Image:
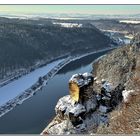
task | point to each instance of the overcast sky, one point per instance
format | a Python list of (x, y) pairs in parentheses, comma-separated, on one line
[(80, 9)]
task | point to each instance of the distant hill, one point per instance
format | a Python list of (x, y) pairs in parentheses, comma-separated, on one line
[(24, 42), (114, 24)]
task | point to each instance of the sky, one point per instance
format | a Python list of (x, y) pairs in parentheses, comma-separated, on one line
[(80, 9)]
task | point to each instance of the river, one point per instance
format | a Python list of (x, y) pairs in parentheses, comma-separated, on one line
[(34, 114)]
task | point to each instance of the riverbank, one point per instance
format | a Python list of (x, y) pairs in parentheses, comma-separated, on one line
[(30, 91), (23, 72)]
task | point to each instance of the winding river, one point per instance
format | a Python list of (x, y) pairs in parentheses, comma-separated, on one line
[(34, 114)]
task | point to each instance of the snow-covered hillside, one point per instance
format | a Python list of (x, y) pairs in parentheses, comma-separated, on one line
[(16, 87), (130, 21)]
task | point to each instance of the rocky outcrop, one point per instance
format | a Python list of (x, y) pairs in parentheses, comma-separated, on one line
[(76, 118), (112, 85), (125, 119), (136, 40), (117, 67), (82, 116), (73, 116)]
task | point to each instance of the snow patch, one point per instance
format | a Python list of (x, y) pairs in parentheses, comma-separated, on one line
[(126, 94), (67, 105), (68, 25), (108, 86), (130, 21), (102, 109), (81, 79), (77, 109)]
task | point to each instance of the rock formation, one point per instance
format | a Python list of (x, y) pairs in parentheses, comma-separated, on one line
[(88, 112), (91, 99), (79, 84)]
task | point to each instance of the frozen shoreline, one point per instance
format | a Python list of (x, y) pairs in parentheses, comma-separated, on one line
[(16, 92), (22, 72)]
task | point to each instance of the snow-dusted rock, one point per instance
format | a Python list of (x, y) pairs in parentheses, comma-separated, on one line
[(103, 119), (126, 94), (77, 110), (60, 128), (91, 104), (67, 109), (82, 79), (66, 106), (102, 109), (108, 86)]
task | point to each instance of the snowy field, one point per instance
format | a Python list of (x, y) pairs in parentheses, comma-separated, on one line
[(130, 21), (16, 87), (68, 25)]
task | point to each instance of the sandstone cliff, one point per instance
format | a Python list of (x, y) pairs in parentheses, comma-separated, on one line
[(125, 118), (117, 80)]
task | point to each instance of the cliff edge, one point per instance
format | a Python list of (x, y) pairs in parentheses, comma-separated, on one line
[(100, 107)]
